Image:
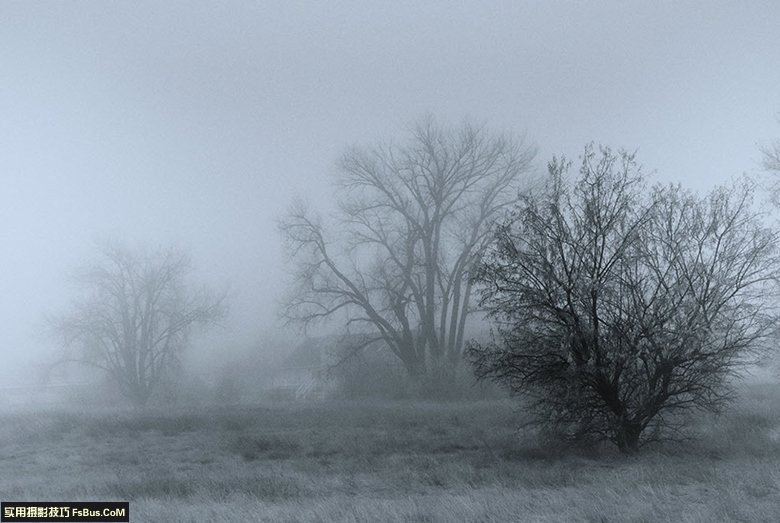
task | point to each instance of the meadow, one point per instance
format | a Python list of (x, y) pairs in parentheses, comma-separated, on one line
[(387, 461)]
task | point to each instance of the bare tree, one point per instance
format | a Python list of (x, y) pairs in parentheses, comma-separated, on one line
[(771, 163), (620, 307), (412, 221), (135, 316)]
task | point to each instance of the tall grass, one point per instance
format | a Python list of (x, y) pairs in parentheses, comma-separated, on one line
[(388, 461)]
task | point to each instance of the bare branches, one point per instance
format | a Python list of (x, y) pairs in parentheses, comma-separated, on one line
[(136, 316), (617, 304), (771, 164), (412, 220)]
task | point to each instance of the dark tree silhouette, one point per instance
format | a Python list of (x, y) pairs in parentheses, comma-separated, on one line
[(620, 307)]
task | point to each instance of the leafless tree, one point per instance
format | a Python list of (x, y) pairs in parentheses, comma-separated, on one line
[(135, 316), (412, 220), (771, 163), (620, 307)]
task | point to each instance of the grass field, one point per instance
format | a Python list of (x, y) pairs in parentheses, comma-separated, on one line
[(337, 461)]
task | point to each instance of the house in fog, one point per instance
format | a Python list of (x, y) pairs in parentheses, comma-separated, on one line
[(303, 375), (307, 373)]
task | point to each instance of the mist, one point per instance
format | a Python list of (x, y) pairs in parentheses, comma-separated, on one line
[(197, 125)]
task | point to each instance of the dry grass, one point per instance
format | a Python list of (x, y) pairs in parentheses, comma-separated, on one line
[(387, 462)]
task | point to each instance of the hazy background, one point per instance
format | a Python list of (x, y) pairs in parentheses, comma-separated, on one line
[(197, 123)]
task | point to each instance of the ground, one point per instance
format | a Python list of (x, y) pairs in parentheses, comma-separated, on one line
[(392, 461)]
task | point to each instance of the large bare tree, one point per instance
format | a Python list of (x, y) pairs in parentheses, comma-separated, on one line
[(412, 220), (619, 306), (135, 316)]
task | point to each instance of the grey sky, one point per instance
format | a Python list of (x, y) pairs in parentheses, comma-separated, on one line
[(197, 123)]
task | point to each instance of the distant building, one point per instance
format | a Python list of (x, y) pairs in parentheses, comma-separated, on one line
[(306, 372)]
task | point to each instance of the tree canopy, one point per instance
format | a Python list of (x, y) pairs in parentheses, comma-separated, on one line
[(412, 222), (620, 306), (135, 316)]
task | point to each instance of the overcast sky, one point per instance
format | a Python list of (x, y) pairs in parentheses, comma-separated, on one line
[(198, 122)]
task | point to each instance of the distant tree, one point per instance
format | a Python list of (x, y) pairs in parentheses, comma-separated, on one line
[(135, 316), (412, 222), (618, 306), (228, 388), (771, 163)]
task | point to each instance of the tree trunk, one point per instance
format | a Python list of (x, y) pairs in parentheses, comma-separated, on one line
[(627, 437), (415, 365)]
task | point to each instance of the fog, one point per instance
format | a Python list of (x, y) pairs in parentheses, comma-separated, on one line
[(152, 132), (198, 123)]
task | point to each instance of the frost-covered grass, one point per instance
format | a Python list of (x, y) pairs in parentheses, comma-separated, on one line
[(393, 461)]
